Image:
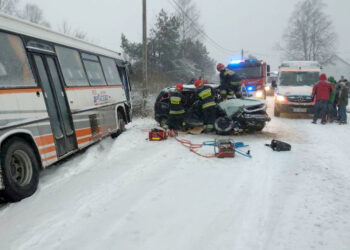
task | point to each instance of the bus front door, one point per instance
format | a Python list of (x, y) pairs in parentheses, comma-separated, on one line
[(56, 102), (125, 82)]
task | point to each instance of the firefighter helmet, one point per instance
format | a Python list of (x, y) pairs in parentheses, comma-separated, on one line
[(179, 86), (220, 67), (198, 83)]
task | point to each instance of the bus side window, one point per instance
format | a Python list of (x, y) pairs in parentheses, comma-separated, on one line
[(14, 66), (93, 69), (111, 72), (2, 70), (72, 67)]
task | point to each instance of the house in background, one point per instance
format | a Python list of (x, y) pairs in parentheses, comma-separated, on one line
[(338, 68)]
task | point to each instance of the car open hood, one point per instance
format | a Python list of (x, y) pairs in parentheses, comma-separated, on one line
[(295, 90), (233, 105)]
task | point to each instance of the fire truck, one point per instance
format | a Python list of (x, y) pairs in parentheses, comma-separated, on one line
[(253, 73)]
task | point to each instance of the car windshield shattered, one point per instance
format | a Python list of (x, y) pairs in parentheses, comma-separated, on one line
[(298, 78)]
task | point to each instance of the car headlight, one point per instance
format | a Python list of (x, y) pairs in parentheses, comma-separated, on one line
[(267, 88), (281, 98), (259, 94)]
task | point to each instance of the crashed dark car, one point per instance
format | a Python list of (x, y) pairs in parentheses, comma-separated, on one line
[(233, 115)]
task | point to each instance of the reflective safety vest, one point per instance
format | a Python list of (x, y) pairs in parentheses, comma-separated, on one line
[(176, 103), (206, 96), (228, 79)]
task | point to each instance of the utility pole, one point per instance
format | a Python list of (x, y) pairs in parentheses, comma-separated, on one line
[(144, 56), (242, 54)]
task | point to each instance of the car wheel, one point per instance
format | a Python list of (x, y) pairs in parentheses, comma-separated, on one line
[(223, 125), (164, 122), (276, 112), (260, 126), (20, 170)]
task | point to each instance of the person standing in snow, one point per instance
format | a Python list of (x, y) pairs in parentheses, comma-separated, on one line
[(321, 91), (343, 102), (206, 95), (342, 79), (177, 111), (332, 105), (230, 83)]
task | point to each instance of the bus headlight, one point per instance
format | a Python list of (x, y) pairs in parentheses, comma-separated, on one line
[(259, 94), (281, 98)]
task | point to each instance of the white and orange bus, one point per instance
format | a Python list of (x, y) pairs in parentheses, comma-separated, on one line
[(58, 95)]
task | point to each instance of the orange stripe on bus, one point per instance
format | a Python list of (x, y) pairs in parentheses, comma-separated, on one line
[(44, 140), (87, 139), (95, 87), (47, 150), (15, 91), (83, 132), (50, 158)]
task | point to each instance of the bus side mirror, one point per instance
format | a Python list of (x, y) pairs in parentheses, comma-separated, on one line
[(268, 70)]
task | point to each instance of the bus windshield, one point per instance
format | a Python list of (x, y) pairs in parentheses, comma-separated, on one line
[(298, 78), (248, 72)]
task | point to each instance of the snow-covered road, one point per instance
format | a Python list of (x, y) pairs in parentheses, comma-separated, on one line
[(132, 194)]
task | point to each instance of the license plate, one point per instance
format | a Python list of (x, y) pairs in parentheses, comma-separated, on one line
[(299, 110)]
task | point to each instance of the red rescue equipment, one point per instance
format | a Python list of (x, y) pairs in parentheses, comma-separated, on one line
[(157, 135)]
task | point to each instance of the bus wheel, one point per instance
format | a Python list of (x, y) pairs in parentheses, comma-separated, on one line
[(20, 170), (121, 125), (121, 122)]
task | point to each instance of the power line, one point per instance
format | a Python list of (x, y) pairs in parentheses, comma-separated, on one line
[(199, 29), (178, 7)]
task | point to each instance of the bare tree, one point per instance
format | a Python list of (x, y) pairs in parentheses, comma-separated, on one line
[(188, 16), (67, 29), (80, 34), (8, 6), (310, 34), (34, 14)]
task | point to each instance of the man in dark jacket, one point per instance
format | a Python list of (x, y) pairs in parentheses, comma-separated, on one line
[(343, 102), (332, 105), (342, 79), (321, 91), (206, 95), (230, 83), (177, 111)]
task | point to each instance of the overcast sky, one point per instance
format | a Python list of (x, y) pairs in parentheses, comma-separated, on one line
[(254, 25)]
